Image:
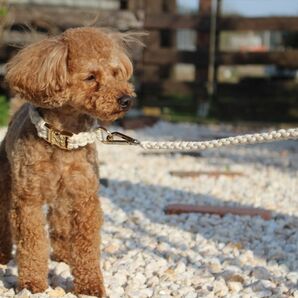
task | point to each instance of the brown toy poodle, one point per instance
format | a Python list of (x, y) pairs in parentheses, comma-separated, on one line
[(69, 81)]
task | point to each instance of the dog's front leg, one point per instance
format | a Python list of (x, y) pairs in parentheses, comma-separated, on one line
[(86, 219), (32, 244)]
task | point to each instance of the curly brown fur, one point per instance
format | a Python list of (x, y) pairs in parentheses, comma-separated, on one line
[(72, 79)]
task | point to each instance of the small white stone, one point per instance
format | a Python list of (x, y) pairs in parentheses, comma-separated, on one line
[(191, 295), (140, 278), (215, 267), (11, 271), (57, 292), (293, 277), (262, 285), (268, 284), (69, 295), (120, 278), (180, 268), (65, 274), (10, 293), (220, 288), (146, 293), (261, 273), (153, 281), (263, 294), (23, 294), (116, 292), (111, 248), (61, 267), (234, 286), (107, 265)]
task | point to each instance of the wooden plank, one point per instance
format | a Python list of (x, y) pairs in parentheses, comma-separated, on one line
[(21, 38), (172, 87), (153, 6), (150, 73), (175, 21), (136, 5), (201, 23), (215, 174), (165, 56), (260, 23), (256, 88), (218, 210), (64, 17), (287, 58), (153, 40)]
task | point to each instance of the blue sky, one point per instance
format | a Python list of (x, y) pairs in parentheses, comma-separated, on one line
[(254, 7)]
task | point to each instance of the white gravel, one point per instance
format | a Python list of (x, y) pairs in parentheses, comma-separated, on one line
[(149, 254)]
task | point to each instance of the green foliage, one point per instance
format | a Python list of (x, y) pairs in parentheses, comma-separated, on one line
[(3, 11), (4, 108)]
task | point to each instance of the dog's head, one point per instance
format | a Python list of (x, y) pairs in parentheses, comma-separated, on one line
[(84, 68)]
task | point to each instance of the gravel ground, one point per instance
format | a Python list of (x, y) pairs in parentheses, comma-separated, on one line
[(149, 254)]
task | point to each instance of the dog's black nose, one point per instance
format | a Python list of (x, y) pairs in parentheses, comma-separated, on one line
[(125, 101)]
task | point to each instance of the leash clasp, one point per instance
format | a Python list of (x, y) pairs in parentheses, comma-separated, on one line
[(118, 138)]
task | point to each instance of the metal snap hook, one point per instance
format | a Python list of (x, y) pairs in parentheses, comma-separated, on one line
[(118, 138)]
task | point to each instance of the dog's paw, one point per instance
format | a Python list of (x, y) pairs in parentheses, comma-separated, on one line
[(91, 289), (34, 286)]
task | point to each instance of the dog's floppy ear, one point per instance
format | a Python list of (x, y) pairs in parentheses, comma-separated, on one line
[(39, 72)]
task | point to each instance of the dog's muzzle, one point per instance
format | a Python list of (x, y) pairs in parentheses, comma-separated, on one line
[(125, 102)]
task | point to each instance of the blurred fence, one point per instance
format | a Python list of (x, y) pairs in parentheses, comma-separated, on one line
[(28, 21), (261, 98), (173, 74)]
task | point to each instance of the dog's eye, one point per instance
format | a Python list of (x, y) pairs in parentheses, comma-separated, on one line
[(91, 77)]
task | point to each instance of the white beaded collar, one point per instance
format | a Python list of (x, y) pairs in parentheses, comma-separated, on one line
[(70, 141)]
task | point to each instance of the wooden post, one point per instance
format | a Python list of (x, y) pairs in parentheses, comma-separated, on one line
[(216, 49), (168, 7), (203, 41), (151, 72), (132, 5)]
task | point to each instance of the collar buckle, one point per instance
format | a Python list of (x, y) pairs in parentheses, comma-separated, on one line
[(58, 138)]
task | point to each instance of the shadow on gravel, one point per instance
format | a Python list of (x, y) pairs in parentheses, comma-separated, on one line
[(274, 241), (283, 156), (285, 160)]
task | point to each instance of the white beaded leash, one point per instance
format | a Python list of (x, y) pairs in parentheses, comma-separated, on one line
[(277, 135), (101, 134)]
